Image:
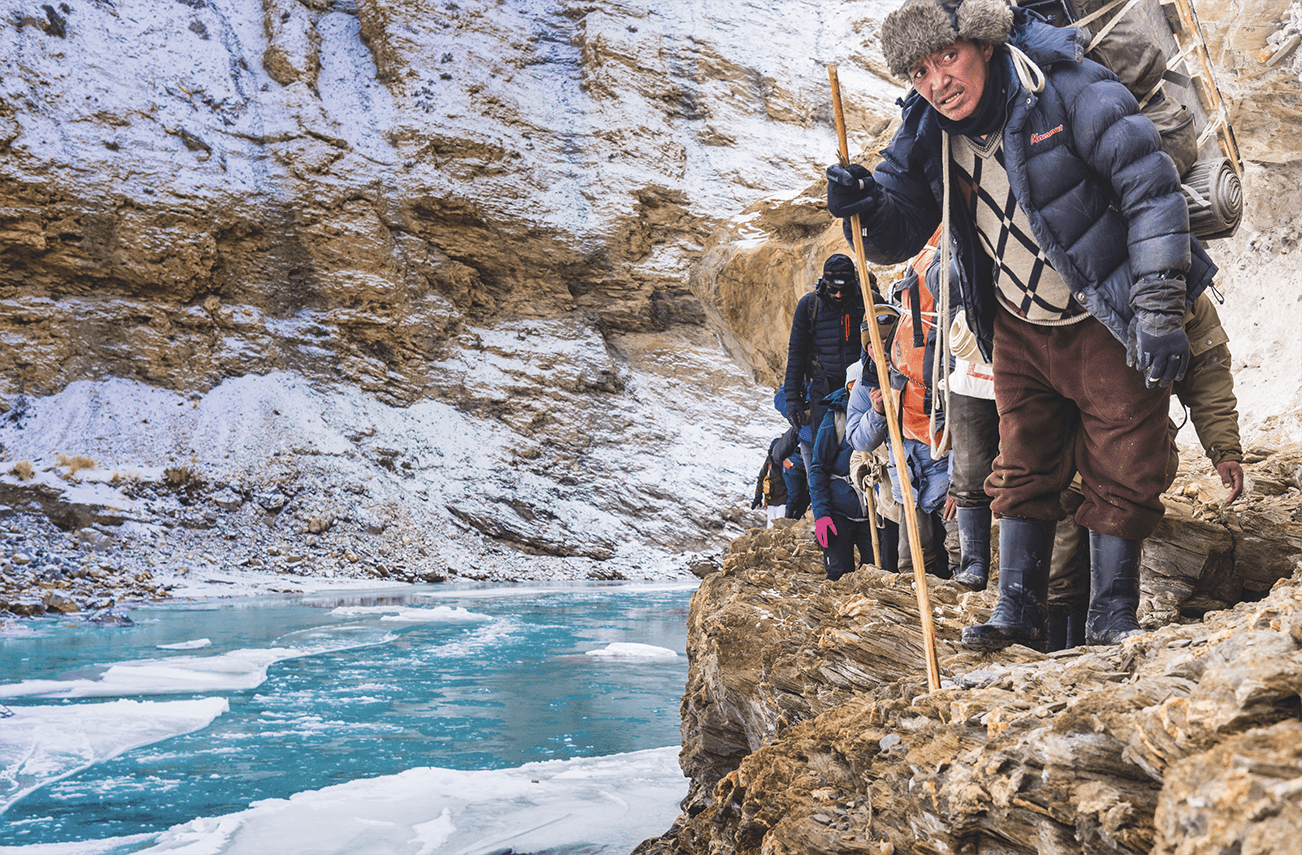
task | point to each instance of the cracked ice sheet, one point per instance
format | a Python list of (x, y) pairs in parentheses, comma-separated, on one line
[(234, 670), (43, 744), (602, 805)]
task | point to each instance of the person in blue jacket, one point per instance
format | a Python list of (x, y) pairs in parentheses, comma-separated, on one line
[(789, 451), (1076, 264), (824, 342), (928, 477), (841, 521)]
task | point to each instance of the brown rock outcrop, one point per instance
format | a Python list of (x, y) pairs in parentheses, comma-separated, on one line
[(808, 726), (192, 192)]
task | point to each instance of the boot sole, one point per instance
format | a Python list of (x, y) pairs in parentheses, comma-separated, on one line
[(989, 644), (972, 583)]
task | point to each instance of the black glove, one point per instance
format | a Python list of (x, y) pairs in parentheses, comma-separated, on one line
[(757, 501), (850, 190), (796, 414), (1163, 357), (1161, 344)]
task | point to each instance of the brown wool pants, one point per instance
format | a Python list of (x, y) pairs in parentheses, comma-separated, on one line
[(1069, 403)]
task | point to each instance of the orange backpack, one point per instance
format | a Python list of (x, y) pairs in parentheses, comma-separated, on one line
[(913, 347)]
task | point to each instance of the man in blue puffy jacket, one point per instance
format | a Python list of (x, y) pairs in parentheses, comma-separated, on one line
[(824, 342), (1071, 239)]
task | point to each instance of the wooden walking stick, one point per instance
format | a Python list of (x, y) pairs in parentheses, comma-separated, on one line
[(870, 502), (892, 411)]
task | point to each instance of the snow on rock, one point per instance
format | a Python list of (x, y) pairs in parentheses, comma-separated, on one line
[(369, 289)]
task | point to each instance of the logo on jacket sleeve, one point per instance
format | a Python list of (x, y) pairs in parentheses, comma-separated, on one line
[(1036, 138)]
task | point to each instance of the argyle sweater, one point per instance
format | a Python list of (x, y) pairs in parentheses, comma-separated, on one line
[(1025, 282)]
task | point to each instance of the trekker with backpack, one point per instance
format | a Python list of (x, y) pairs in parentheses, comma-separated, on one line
[(911, 350), (824, 342), (842, 522), (771, 486), (1071, 235)]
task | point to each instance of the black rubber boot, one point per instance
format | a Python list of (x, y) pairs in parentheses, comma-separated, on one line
[(1058, 628), (1066, 627), (1021, 615), (974, 544), (1076, 627), (1114, 589)]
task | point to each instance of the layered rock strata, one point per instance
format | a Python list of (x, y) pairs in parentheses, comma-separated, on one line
[(808, 725)]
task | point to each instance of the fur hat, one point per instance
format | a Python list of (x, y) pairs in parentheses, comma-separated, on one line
[(920, 27)]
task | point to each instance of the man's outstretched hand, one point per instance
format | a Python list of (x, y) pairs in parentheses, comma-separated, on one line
[(1231, 472)]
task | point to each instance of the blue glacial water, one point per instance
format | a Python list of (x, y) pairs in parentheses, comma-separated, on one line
[(202, 709)]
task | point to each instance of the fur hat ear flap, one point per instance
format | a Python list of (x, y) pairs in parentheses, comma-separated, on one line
[(988, 21)]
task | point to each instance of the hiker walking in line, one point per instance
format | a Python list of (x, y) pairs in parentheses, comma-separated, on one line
[(771, 486), (1075, 265), (841, 519), (824, 342), (910, 349), (793, 465)]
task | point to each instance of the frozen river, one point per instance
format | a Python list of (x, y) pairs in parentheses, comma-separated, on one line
[(431, 720)]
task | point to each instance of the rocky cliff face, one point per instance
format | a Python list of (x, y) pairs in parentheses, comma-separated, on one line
[(479, 215), (514, 210), (198, 190), (808, 725)]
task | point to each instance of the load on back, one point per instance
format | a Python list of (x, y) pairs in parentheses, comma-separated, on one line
[(1159, 52)]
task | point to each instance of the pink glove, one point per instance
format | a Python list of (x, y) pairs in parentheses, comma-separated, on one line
[(821, 526)]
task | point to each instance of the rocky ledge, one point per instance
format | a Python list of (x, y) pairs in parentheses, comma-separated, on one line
[(808, 725)]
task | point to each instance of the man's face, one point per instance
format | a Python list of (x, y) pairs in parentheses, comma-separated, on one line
[(953, 78)]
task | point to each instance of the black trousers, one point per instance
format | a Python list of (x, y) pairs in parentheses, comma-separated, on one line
[(838, 556)]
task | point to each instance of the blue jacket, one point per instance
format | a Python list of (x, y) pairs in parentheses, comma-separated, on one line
[(866, 429), (829, 478), (834, 339), (1084, 164)]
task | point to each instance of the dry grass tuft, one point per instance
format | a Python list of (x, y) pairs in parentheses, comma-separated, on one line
[(183, 478), (75, 463), (23, 470)]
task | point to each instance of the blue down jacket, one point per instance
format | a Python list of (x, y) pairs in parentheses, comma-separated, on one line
[(1084, 164), (830, 491), (832, 336), (866, 429)]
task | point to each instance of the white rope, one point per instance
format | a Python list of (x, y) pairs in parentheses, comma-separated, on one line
[(940, 363), (1214, 124), (1030, 74)]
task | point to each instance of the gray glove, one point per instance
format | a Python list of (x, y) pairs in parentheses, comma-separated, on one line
[(1163, 357)]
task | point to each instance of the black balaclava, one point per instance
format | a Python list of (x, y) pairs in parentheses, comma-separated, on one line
[(991, 113)]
